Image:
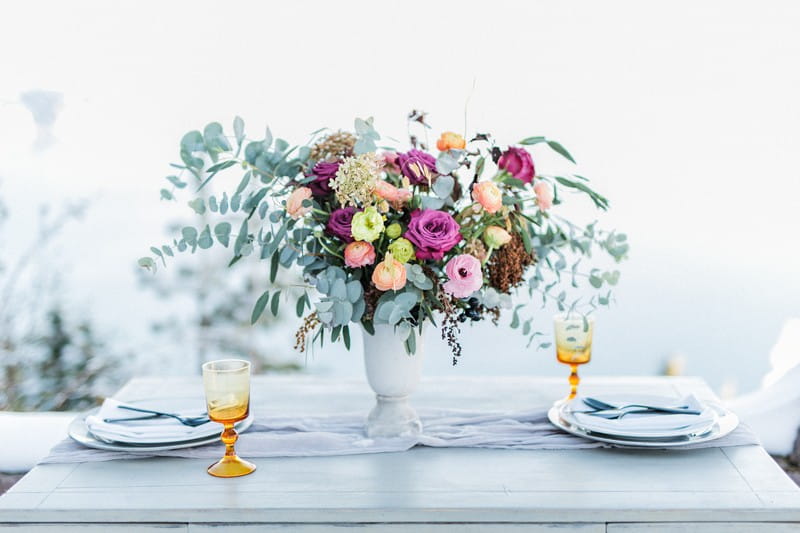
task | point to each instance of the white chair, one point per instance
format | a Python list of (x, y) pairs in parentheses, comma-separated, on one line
[(773, 411), (28, 437)]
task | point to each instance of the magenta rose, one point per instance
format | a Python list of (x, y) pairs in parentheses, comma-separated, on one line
[(323, 173), (339, 223), (433, 233), (517, 162), (413, 163)]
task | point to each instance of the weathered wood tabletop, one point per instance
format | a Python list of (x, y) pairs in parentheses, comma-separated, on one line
[(425, 489)]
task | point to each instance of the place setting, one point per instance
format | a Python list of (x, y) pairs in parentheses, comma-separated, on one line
[(163, 424), (628, 419)]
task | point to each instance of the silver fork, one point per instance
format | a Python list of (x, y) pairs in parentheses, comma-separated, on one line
[(600, 405), (619, 413), (191, 421)]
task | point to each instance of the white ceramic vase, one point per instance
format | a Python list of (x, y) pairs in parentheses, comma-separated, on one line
[(393, 375)]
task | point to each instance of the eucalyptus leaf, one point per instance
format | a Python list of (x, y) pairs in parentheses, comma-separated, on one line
[(532, 140), (148, 263), (176, 181), (443, 186), (346, 336), (245, 181), (276, 302), (267, 142), (261, 303), (558, 148), (189, 235), (204, 241), (198, 206), (238, 129), (223, 233), (447, 161), (241, 238)]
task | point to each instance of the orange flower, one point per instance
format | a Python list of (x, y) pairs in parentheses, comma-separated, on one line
[(488, 195), (450, 141), (389, 274), (294, 205), (394, 195)]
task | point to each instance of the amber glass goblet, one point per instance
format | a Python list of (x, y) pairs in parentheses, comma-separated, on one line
[(573, 336), (227, 386)]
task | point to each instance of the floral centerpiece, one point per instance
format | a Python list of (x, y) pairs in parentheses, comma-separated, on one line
[(394, 238)]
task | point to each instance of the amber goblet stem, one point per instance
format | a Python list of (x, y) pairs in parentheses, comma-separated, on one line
[(574, 380), (229, 437)]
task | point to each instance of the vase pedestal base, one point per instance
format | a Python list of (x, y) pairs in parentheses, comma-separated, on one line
[(393, 416)]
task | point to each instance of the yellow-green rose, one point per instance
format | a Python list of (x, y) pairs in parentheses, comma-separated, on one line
[(367, 225), (402, 250), (394, 230)]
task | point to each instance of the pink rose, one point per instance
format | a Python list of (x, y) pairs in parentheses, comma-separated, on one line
[(488, 195), (394, 195), (294, 205), (544, 195), (358, 254), (517, 162), (465, 276)]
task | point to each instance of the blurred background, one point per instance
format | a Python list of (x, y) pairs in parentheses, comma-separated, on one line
[(684, 114)]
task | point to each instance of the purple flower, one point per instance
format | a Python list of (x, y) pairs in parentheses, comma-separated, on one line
[(433, 233), (339, 223), (518, 163), (323, 173), (413, 164)]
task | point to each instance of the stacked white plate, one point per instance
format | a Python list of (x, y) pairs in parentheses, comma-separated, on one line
[(150, 434), (645, 429)]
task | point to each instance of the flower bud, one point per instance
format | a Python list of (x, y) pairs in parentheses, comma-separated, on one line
[(495, 236), (394, 230)]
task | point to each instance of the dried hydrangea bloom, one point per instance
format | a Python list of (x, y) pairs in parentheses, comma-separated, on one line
[(334, 146), (355, 180)]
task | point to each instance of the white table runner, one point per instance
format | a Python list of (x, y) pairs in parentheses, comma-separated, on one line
[(343, 434)]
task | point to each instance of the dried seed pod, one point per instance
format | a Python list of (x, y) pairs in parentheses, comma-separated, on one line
[(508, 264)]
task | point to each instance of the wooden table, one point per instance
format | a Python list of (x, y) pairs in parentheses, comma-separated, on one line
[(425, 489)]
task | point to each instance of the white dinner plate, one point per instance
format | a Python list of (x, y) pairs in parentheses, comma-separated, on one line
[(725, 424), (597, 425), (80, 433)]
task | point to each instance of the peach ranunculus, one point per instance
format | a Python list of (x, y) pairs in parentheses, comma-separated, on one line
[(358, 254), (389, 274), (394, 195), (488, 195), (450, 141), (544, 195), (294, 205)]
